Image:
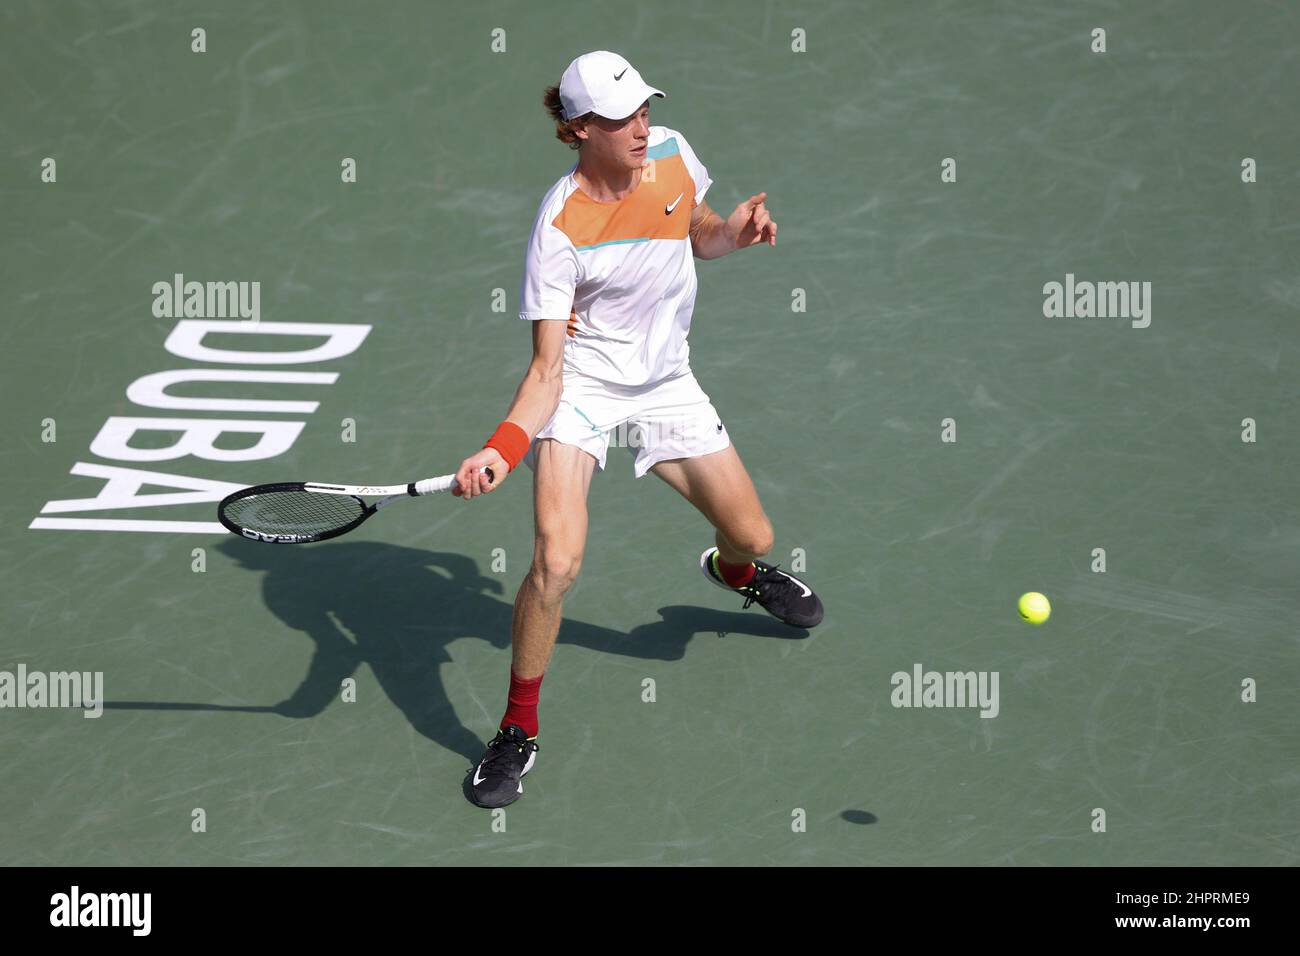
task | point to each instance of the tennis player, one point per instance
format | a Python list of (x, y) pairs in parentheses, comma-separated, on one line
[(609, 287)]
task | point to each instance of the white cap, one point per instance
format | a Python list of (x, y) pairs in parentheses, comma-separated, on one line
[(605, 84)]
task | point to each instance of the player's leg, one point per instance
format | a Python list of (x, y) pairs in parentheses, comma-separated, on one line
[(561, 480), (686, 445), (718, 485)]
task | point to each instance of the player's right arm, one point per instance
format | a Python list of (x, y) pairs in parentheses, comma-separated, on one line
[(551, 271), (546, 297), (538, 394), (535, 401)]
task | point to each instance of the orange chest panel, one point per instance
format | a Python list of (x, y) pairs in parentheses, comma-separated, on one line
[(659, 208)]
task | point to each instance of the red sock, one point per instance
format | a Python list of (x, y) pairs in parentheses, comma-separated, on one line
[(735, 574), (521, 708)]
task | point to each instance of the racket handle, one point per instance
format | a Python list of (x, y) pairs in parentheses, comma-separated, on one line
[(432, 486)]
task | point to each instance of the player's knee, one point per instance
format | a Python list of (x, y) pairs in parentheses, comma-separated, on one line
[(555, 569)]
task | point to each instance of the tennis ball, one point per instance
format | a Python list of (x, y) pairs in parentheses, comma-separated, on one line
[(1035, 608)]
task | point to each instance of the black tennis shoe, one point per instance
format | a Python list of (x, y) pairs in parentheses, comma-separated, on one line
[(782, 595), (510, 755)]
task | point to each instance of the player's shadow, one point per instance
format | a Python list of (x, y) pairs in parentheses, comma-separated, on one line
[(395, 609)]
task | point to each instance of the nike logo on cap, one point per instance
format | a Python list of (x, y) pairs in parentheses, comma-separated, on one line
[(619, 76), (668, 209)]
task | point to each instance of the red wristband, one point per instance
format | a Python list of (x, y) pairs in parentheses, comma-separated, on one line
[(511, 441)]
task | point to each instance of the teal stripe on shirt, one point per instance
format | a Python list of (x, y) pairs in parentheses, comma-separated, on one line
[(611, 242), (665, 149)]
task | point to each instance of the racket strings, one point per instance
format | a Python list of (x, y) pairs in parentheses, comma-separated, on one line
[(295, 512)]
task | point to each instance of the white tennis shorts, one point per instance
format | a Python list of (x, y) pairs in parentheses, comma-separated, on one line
[(669, 419)]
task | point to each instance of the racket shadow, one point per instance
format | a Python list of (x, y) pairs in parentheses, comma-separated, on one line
[(395, 609)]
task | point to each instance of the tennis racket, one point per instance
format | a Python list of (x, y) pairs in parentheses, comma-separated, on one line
[(299, 512)]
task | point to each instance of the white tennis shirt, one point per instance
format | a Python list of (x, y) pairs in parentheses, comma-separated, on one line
[(620, 273)]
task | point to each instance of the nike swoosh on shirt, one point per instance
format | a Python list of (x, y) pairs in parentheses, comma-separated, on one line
[(807, 592), (668, 209), (619, 76)]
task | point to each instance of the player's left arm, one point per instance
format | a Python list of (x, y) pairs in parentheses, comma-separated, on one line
[(750, 223)]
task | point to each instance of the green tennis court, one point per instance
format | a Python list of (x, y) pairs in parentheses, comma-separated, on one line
[(928, 442)]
